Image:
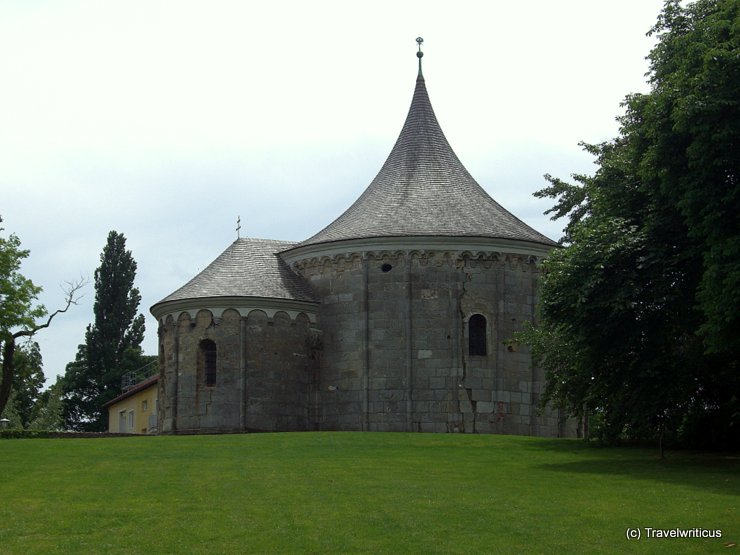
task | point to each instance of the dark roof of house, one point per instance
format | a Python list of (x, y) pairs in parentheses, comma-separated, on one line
[(247, 268), (424, 190), (141, 386)]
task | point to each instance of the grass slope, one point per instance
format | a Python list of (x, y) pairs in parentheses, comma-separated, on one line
[(356, 493)]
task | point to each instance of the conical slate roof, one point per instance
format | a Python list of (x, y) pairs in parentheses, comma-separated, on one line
[(247, 268), (424, 190)]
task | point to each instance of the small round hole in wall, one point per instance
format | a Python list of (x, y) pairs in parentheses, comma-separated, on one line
[(386, 268)]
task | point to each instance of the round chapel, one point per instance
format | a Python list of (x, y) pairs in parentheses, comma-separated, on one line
[(397, 316)]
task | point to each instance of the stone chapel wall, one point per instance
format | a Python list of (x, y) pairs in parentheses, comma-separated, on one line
[(395, 343), (264, 367)]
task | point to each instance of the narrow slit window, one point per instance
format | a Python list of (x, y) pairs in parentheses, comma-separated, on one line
[(208, 361), (477, 335)]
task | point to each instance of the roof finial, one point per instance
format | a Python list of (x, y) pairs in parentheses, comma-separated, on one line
[(419, 54)]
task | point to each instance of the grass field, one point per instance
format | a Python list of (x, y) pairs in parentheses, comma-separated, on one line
[(357, 493)]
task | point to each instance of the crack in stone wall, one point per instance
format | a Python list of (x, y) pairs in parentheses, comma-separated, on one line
[(468, 392)]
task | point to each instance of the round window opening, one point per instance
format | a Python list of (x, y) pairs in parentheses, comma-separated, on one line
[(386, 267)]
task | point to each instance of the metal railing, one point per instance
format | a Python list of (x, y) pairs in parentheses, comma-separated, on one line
[(130, 379)]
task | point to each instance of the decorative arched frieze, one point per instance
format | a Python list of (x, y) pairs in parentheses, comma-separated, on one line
[(282, 315), (419, 256), (385, 255), (517, 262), (302, 320), (304, 257), (217, 306)]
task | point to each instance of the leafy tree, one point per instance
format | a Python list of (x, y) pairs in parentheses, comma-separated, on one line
[(28, 406), (693, 119), (27, 382), (49, 409), (19, 315), (112, 343), (640, 309)]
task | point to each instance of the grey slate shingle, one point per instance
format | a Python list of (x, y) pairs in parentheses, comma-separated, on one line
[(247, 268), (424, 190)]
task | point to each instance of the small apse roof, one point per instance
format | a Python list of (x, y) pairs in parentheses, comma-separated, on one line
[(247, 268), (424, 190)]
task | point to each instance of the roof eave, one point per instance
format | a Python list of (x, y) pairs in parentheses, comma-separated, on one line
[(457, 243)]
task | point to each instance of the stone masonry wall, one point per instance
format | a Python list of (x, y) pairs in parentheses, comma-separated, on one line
[(279, 372), (392, 353), (263, 374), (395, 343)]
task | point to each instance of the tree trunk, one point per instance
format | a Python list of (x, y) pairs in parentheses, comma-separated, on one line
[(7, 383)]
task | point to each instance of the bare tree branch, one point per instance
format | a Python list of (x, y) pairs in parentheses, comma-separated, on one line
[(72, 297)]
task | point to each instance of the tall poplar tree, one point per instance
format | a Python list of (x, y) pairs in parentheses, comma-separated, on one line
[(112, 343)]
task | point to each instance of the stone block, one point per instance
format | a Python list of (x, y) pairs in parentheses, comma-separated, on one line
[(481, 395), (439, 364), (484, 407), (437, 383), (483, 426), (377, 335), (442, 394), (424, 371), (377, 383)]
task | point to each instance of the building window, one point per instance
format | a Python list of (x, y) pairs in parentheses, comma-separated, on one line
[(145, 404), (122, 421), (130, 420), (477, 335), (207, 361)]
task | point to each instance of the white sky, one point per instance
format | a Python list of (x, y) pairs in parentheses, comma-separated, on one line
[(165, 120)]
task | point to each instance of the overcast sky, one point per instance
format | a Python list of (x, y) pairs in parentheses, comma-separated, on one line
[(165, 120)]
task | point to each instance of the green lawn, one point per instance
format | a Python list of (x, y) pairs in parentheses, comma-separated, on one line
[(357, 493)]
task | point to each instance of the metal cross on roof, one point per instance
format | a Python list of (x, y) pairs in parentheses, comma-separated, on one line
[(419, 54), (238, 226)]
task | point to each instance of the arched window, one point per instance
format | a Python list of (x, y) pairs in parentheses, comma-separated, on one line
[(477, 335), (207, 361)]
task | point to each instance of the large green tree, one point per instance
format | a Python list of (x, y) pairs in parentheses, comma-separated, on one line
[(20, 316), (640, 309), (112, 343)]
